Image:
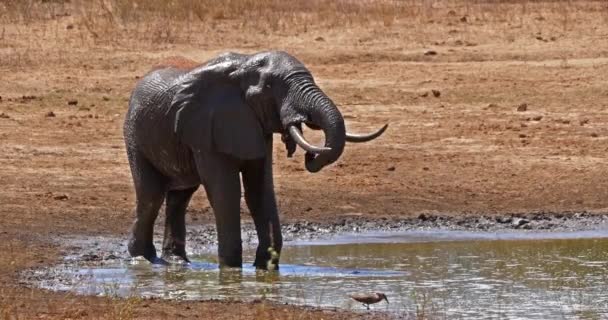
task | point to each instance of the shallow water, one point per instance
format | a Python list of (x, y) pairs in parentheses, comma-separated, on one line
[(443, 274)]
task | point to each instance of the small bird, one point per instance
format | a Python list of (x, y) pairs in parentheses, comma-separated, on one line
[(369, 298)]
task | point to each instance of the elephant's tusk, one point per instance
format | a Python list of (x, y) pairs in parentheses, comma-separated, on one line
[(297, 136), (365, 137)]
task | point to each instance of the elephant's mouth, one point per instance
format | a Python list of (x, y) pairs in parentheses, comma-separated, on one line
[(317, 157)]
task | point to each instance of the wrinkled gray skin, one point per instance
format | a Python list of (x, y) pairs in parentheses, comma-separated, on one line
[(209, 124)]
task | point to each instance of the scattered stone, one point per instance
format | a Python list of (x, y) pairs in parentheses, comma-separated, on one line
[(61, 197), (69, 26), (521, 135), (451, 13), (425, 168), (522, 107), (84, 109), (50, 114), (436, 93), (72, 102), (583, 122), (319, 39), (391, 168), (430, 53), (491, 106), (537, 118), (518, 222), (4, 116), (90, 257), (423, 217), (504, 219), (594, 135), (463, 19)]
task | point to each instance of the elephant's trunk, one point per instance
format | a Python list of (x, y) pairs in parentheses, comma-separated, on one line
[(311, 105)]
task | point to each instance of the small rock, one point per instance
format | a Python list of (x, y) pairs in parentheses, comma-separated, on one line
[(319, 39), (522, 107), (518, 222), (72, 102), (436, 93), (391, 168), (491, 106), (430, 53), (423, 217), (69, 26), (61, 197), (4, 116), (463, 19), (504, 219), (594, 135), (424, 94), (521, 135), (537, 118), (84, 109), (583, 122), (425, 168), (50, 114)]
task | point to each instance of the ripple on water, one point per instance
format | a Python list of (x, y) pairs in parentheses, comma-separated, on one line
[(468, 275)]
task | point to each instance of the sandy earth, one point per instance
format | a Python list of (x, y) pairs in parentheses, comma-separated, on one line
[(503, 118)]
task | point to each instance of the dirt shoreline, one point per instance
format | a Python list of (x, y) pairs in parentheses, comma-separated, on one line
[(202, 238)]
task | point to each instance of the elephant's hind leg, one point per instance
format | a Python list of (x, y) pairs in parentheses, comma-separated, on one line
[(174, 243), (150, 188)]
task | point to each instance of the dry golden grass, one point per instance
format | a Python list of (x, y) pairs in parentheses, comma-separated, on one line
[(158, 21)]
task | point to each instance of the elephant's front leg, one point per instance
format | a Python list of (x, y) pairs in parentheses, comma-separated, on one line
[(260, 198), (220, 176)]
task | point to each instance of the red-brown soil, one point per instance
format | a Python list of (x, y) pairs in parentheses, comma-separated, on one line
[(469, 147)]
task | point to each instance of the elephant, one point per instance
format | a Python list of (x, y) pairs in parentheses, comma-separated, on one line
[(210, 125)]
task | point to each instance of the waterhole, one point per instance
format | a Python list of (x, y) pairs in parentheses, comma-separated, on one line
[(439, 274)]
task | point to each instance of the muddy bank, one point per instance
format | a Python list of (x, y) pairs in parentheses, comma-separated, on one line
[(202, 238)]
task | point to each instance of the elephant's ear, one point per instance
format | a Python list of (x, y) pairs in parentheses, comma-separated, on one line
[(213, 115)]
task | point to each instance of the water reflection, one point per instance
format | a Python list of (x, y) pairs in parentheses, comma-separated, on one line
[(474, 277)]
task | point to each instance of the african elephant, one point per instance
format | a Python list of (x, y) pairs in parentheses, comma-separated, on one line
[(210, 123)]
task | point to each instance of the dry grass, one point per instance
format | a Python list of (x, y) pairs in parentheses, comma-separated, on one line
[(150, 25), (158, 21)]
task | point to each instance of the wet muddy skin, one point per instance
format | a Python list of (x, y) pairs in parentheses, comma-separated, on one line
[(438, 263)]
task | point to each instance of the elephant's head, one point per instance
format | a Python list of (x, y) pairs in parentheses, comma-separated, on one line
[(260, 94)]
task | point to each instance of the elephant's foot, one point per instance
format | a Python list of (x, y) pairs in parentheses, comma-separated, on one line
[(173, 254), (266, 258), (138, 248), (231, 262)]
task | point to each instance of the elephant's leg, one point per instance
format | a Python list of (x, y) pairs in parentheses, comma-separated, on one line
[(260, 198), (150, 188), (174, 242), (220, 176)]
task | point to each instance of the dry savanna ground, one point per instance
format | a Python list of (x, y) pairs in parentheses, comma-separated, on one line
[(494, 107)]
